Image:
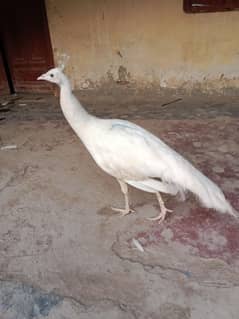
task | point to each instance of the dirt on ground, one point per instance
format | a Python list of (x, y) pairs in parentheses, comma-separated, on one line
[(65, 255)]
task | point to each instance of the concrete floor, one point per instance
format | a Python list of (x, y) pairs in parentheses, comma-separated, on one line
[(65, 255)]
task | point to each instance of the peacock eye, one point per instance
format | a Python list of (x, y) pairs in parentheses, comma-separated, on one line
[(51, 75)]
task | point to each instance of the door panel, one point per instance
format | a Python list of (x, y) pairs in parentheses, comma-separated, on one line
[(27, 43)]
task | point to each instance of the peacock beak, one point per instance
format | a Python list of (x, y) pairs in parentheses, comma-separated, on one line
[(42, 77)]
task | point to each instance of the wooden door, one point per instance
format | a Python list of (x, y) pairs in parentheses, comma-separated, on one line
[(27, 43)]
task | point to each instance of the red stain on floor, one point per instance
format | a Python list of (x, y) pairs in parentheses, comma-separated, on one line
[(205, 233), (210, 234)]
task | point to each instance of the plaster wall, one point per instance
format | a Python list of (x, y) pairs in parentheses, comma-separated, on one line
[(145, 43)]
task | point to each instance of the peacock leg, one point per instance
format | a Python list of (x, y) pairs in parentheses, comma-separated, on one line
[(163, 210), (127, 210)]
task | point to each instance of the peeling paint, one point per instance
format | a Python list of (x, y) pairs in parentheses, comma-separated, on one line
[(123, 75)]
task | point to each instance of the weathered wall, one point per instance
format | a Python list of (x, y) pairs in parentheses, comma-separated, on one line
[(145, 42)]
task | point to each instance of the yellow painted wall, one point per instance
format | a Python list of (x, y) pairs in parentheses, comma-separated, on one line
[(145, 42)]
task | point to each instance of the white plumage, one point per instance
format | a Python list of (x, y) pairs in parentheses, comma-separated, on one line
[(134, 156)]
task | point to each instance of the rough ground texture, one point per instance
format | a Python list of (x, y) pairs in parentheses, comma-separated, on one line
[(65, 255)]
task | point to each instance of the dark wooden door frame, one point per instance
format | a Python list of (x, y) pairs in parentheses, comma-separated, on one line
[(47, 32), (6, 67)]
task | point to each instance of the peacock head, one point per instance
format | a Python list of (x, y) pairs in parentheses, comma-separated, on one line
[(53, 75)]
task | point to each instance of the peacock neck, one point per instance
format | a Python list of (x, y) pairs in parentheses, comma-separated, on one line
[(75, 114)]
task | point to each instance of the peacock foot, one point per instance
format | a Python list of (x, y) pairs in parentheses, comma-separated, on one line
[(161, 217), (123, 212)]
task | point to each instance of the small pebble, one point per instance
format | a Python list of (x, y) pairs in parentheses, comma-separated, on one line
[(218, 169), (197, 144), (223, 148)]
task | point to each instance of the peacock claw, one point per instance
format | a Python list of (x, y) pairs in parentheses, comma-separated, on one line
[(161, 217), (123, 212)]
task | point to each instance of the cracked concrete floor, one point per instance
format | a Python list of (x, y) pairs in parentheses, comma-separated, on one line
[(64, 254)]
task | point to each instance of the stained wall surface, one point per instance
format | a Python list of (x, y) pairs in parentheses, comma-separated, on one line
[(145, 43)]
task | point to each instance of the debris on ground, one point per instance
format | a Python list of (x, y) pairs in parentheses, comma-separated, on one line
[(137, 244), (171, 102), (8, 147)]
